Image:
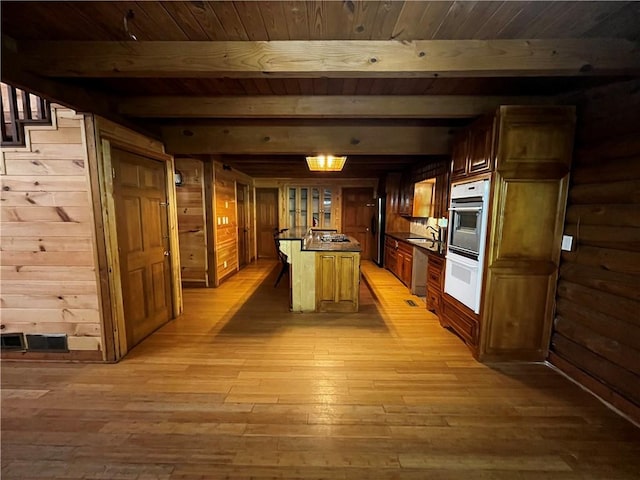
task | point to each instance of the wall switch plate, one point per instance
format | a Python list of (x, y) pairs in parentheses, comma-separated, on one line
[(567, 243), (224, 264), (443, 222)]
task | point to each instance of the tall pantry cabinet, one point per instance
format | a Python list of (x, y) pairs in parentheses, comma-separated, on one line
[(529, 151)]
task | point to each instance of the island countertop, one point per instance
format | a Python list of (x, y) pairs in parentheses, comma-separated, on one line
[(324, 276), (315, 244), (352, 245)]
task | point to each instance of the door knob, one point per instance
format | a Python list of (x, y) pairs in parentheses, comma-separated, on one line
[(166, 253)]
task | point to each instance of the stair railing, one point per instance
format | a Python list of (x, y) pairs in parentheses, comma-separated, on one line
[(20, 108)]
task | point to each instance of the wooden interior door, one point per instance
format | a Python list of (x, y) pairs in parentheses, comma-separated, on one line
[(140, 192), (358, 209), (241, 203), (267, 220)]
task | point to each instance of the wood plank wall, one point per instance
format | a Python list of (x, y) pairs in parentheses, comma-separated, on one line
[(226, 223), (596, 337), (393, 221), (191, 222), (48, 280)]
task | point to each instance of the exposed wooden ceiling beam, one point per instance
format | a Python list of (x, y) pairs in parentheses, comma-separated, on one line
[(81, 99), (263, 139), (335, 58), (53, 90), (322, 106), (297, 167)]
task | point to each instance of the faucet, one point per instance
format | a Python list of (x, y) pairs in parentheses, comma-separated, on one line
[(434, 234)]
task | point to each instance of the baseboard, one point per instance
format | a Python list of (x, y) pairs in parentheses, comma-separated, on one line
[(71, 356), (610, 398)]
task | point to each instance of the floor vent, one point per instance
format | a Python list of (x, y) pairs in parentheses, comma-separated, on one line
[(47, 343), (411, 303), (11, 341)]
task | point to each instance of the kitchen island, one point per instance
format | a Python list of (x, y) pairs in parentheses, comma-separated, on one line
[(324, 270)]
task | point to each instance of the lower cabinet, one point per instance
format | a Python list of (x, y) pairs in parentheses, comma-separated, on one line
[(461, 319), (405, 263), (398, 259), (337, 281), (435, 277), (390, 254)]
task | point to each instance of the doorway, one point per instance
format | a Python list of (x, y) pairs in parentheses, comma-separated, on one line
[(142, 223), (266, 220), (358, 208)]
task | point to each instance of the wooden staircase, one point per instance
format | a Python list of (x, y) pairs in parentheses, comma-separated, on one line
[(20, 109)]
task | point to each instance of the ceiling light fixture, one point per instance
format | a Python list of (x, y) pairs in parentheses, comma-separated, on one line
[(326, 163)]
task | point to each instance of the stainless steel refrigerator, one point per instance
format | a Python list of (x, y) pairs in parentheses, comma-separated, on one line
[(377, 230)]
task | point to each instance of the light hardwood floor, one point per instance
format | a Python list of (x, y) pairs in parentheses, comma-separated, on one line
[(240, 388)]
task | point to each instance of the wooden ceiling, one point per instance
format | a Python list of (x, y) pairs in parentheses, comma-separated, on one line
[(261, 83)]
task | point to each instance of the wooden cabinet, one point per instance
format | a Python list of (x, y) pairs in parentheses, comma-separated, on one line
[(441, 194), (392, 189), (533, 148), (424, 198), (390, 254), (337, 281), (310, 207), (421, 191), (322, 210), (473, 152), (529, 191), (405, 204), (480, 157), (462, 320), (459, 155), (402, 198), (398, 259), (405, 263), (435, 278)]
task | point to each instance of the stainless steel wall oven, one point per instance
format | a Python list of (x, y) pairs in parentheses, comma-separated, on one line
[(466, 226)]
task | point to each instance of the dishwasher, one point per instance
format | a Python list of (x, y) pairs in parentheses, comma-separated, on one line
[(419, 273)]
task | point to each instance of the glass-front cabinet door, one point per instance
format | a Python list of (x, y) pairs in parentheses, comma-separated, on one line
[(327, 215), (298, 207), (309, 207), (292, 208), (303, 217), (315, 207), (321, 208)]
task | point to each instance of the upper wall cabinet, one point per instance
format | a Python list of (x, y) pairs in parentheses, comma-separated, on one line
[(473, 151), (420, 192), (405, 201), (416, 199), (423, 198)]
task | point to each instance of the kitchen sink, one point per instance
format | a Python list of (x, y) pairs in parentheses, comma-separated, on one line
[(422, 240)]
